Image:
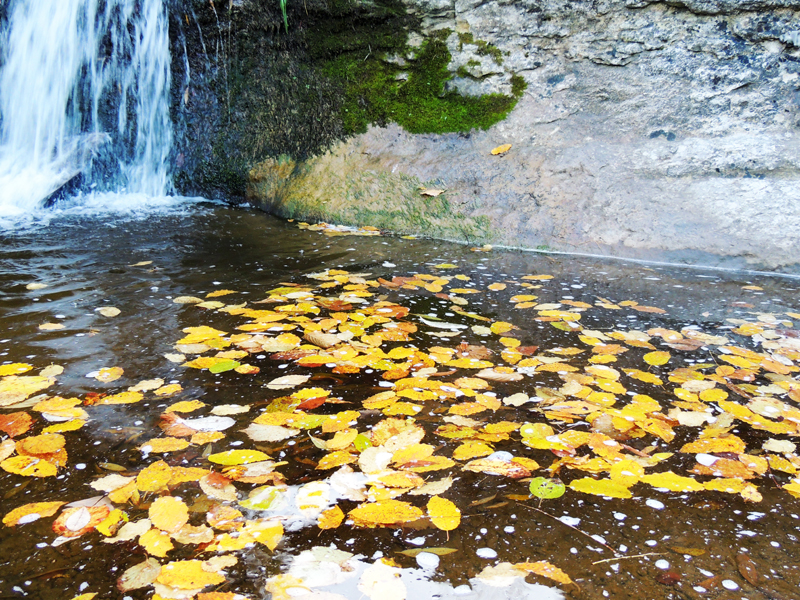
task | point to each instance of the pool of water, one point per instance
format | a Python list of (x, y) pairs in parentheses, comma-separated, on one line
[(476, 352)]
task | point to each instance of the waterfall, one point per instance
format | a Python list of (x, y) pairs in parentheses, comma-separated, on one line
[(82, 78)]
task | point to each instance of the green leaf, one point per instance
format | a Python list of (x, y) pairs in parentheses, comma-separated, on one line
[(225, 365), (362, 442), (547, 489)]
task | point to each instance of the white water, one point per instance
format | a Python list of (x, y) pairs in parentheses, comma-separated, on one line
[(79, 76)]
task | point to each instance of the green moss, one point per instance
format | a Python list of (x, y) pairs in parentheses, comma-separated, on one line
[(518, 85), (484, 48), (420, 104)]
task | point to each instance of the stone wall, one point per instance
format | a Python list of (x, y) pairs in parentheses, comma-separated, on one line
[(656, 130)]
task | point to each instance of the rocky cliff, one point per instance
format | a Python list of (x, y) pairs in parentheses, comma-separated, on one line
[(661, 130)]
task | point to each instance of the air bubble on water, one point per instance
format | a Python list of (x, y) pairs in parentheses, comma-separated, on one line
[(567, 520), (651, 543), (486, 553), (510, 529), (662, 564), (620, 516), (654, 504)]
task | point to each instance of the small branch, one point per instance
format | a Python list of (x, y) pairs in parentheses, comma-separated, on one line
[(570, 526), (605, 560)]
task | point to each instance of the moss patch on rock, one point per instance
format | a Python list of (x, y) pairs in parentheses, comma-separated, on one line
[(332, 189), (411, 92)]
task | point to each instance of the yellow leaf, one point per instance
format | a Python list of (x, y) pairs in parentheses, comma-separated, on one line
[(15, 388), (31, 512), (728, 485), (42, 444), (167, 444), (14, 369), (168, 513), (51, 326), (472, 449), (154, 477), (672, 482), (545, 569), (730, 443), (72, 425), (121, 398), (501, 149), (237, 457), (109, 525), (331, 518), (168, 390), (89, 596), (497, 287), (384, 513), (601, 487), (657, 358), (336, 459), (107, 374), (187, 575), (185, 406), (156, 543), (443, 513), (499, 327), (713, 395), (29, 466)]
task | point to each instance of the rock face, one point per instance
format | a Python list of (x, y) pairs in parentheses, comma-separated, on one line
[(659, 130)]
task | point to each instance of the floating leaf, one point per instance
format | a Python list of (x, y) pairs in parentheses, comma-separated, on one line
[(139, 575), (237, 457), (331, 518), (108, 311), (384, 513), (545, 569), (168, 513), (601, 487), (443, 513), (547, 489), (31, 512), (187, 575), (657, 358)]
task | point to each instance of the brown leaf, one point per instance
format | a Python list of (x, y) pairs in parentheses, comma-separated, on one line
[(747, 568)]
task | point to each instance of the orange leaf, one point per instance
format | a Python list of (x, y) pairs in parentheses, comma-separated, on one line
[(14, 424), (168, 514)]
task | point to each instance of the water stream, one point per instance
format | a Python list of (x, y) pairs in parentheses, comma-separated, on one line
[(82, 78)]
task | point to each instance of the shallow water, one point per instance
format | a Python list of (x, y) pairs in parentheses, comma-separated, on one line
[(89, 261)]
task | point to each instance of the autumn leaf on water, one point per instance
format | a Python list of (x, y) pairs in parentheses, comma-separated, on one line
[(31, 512), (331, 518), (169, 513), (384, 513), (601, 487), (545, 569), (443, 514)]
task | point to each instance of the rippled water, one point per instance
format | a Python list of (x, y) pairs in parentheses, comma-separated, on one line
[(87, 262)]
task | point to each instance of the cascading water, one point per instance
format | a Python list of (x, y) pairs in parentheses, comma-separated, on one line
[(82, 77)]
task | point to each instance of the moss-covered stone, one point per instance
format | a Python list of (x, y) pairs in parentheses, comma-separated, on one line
[(253, 91), (332, 189)]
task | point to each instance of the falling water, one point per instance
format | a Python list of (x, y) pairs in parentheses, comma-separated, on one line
[(83, 79)]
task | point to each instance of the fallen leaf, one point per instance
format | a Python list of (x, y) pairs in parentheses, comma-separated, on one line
[(443, 513), (501, 149)]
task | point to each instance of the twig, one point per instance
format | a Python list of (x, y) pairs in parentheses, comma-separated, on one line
[(605, 560), (570, 526)]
